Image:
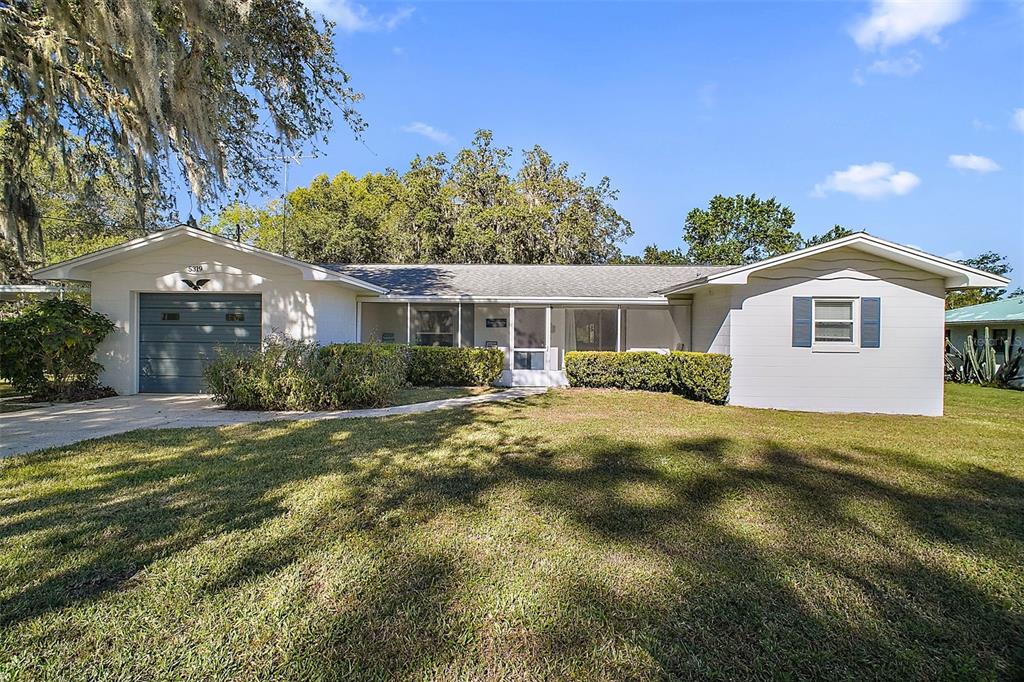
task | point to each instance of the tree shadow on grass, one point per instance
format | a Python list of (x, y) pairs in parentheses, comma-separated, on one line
[(750, 609), (786, 562)]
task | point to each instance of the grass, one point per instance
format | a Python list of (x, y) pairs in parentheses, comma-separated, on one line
[(575, 535), (422, 394)]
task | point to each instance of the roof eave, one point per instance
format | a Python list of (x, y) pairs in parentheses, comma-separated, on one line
[(956, 275), (66, 270)]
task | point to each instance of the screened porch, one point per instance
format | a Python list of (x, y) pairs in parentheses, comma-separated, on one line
[(534, 338)]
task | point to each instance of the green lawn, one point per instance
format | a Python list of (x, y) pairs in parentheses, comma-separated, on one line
[(580, 534), (422, 394)]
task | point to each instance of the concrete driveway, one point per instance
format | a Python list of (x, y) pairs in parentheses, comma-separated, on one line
[(58, 425)]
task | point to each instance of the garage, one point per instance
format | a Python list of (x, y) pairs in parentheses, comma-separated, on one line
[(179, 333)]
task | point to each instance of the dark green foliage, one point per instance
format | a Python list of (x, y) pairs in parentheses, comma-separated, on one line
[(837, 232), (644, 371), (47, 348), (296, 375), (473, 208), (701, 376), (739, 230), (439, 366), (698, 376), (990, 261), (362, 375)]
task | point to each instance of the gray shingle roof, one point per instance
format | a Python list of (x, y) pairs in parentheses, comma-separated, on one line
[(527, 281)]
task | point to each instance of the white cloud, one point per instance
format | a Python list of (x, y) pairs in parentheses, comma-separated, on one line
[(1017, 121), (979, 124), (707, 95), (904, 66), (429, 132), (954, 255), (869, 181), (857, 77), (351, 17), (973, 162), (894, 22)]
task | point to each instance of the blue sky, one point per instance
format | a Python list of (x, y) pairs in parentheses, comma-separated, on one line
[(906, 120)]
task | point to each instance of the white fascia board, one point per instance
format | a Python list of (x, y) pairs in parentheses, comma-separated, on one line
[(957, 275), (67, 269), (519, 300)]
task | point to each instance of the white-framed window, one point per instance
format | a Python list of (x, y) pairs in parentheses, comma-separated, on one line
[(834, 323)]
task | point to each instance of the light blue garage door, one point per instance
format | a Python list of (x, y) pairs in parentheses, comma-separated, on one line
[(179, 333)]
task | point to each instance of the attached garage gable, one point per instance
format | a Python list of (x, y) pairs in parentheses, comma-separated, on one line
[(179, 333)]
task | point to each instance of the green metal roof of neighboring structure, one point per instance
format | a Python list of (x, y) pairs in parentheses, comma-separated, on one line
[(1006, 310)]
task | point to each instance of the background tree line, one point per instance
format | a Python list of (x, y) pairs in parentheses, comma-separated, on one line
[(474, 208)]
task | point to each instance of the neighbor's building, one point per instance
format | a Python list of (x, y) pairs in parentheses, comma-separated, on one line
[(1004, 320), (854, 325)]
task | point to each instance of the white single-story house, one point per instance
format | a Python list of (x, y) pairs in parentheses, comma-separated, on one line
[(853, 325)]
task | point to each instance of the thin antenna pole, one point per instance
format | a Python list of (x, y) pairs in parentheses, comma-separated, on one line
[(287, 159), (284, 209)]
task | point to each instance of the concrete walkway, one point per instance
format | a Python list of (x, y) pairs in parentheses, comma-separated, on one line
[(64, 424)]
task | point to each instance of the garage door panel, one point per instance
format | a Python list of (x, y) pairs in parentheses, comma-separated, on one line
[(199, 333), (189, 350), (172, 385), (171, 367), (179, 334), (171, 316)]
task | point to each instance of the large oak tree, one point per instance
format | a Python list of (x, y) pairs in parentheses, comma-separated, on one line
[(210, 89)]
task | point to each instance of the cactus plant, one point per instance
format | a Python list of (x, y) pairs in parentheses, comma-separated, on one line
[(974, 365)]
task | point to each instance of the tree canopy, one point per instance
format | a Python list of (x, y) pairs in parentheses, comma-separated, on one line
[(739, 230), (736, 231), (989, 261), (473, 209), (213, 88)]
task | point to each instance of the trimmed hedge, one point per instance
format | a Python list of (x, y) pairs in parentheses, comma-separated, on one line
[(641, 370), (701, 376), (442, 366), (698, 376)]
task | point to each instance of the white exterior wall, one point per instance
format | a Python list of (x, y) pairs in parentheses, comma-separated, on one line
[(903, 376), (323, 311), (710, 315)]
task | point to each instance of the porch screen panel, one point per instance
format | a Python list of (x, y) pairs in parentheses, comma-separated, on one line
[(591, 328), (529, 332)]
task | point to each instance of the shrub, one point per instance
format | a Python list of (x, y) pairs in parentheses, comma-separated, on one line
[(299, 375), (441, 366), (699, 376), (283, 375), (47, 349), (362, 375), (641, 370)]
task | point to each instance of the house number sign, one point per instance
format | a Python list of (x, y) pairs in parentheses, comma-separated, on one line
[(194, 269)]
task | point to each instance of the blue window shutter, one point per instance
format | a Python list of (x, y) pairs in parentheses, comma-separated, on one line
[(801, 321), (870, 322)]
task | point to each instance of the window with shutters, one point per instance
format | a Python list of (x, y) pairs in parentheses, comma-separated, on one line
[(833, 323)]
